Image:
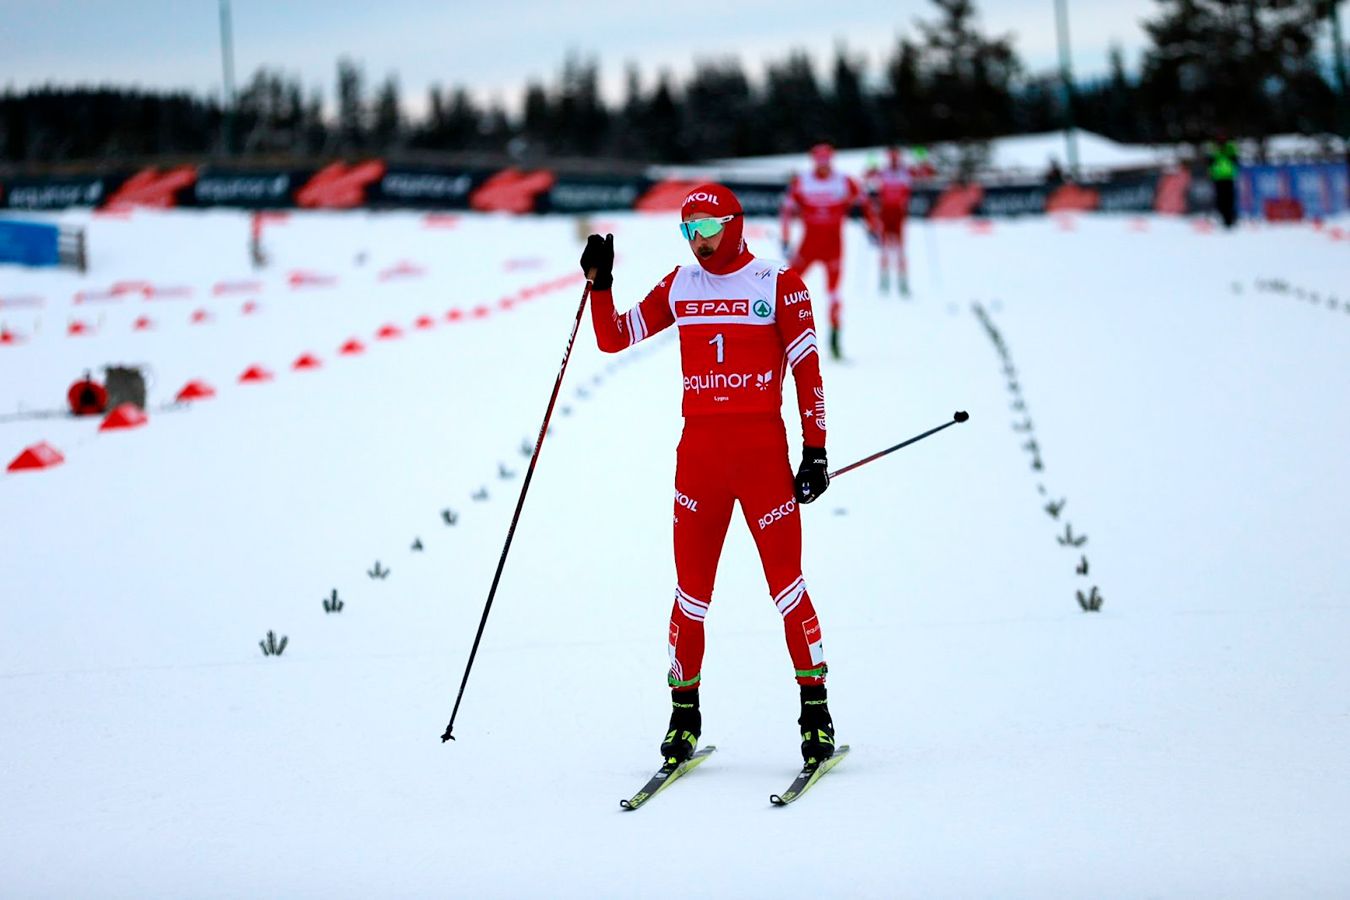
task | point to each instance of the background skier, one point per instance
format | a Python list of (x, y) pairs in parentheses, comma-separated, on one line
[(892, 186), (823, 198)]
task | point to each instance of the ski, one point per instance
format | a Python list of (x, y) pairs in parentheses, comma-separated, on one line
[(663, 777), (808, 776)]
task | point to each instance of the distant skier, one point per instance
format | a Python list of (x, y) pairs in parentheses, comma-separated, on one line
[(742, 322), (892, 187), (1223, 169), (823, 198)]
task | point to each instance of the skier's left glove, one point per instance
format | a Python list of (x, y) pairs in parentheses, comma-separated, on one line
[(812, 475)]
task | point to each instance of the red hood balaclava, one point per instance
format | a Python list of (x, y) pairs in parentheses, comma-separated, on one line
[(717, 201)]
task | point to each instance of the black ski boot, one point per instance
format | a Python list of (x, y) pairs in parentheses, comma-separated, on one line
[(816, 727), (686, 724), (835, 352)]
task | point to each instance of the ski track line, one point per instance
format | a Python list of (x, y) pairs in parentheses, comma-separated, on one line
[(1282, 288), (581, 392), (1092, 600)]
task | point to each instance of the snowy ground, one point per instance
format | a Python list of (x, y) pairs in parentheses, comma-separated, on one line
[(1188, 740)]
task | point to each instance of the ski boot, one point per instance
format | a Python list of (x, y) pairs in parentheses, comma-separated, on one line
[(885, 282), (816, 727), (835, 352), (904, 285), (686, 724)]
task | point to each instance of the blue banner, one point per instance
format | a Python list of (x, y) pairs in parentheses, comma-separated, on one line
[(1321, 189), (29, 243)]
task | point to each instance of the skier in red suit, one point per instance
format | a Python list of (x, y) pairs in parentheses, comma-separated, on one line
[(892, 187), (823, 198), (743, 322)]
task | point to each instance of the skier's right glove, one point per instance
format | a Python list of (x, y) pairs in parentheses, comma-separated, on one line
[(813, 476), (599, 257)]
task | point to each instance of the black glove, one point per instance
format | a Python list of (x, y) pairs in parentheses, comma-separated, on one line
[(812, 476), (599, 256)]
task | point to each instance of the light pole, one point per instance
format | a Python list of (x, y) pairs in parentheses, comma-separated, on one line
[(1066, 77), (227, 63), (1339, 50)]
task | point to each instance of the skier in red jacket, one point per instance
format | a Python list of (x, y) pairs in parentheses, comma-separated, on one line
[(742, 323), (824, 198), (892, 187)]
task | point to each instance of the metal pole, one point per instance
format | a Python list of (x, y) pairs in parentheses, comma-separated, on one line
[(449, 734), (958, 416), (1066, 77), (227, 64), (1339, 49)]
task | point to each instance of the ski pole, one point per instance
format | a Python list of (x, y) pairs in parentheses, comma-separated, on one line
[(956, 417), (520, 503)]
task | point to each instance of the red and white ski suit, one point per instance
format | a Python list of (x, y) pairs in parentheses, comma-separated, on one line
[(739, 333), (892, 186), (823, 201)]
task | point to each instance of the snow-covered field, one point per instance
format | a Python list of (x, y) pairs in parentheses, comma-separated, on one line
[(1188, 740)]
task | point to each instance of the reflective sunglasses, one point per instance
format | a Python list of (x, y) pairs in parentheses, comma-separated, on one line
[(705, 227)]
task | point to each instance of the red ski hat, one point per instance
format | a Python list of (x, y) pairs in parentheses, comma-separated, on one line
[(710, 199), (716, 201)]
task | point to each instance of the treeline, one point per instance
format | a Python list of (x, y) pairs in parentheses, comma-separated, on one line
[(1245, 68)]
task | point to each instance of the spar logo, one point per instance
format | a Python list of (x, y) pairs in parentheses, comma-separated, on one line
[(710, 308), (701, 197), (717, 381), (774, 515), (763, 309)]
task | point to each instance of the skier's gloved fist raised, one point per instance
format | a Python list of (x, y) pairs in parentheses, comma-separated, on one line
[(812, 475), (598, 257)]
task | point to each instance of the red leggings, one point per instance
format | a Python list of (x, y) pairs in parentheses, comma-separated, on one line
[(721, 460), (833, 261)]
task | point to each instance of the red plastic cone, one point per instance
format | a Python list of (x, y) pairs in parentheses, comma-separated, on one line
[(306, 361), (195, 390), (425, 322), (77, 327), (388, 333), (128, 415), (352, 347), (255, 374), (144, 323), (39, 456)]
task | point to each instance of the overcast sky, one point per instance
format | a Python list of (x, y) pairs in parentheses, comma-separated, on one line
[(494, 47)]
